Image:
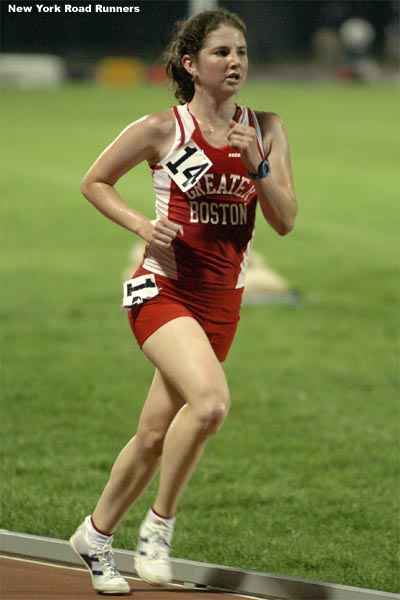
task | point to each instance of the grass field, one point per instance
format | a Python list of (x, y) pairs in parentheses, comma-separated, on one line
[(302, 480)]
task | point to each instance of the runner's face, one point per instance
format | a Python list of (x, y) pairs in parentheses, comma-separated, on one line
[(222, 63)]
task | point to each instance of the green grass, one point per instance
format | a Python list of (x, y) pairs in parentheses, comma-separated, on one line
[(302, 480)]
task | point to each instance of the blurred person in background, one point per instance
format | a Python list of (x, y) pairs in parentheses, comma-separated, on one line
[(212, 161)]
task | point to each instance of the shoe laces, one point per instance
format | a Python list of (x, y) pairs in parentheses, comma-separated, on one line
[(159, 539), (107, 560)]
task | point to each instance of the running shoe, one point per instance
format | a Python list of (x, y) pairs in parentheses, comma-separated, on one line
[(98, 558), (152, 562)]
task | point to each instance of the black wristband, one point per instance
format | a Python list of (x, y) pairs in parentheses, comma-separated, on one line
[(263, 170)]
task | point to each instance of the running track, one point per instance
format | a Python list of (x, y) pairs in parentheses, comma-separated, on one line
[(23, 579)]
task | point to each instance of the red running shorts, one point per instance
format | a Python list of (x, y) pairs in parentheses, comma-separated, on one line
[(217, 311)]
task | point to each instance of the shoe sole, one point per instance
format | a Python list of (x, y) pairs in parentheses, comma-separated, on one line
[(143, 576), (103, 592)]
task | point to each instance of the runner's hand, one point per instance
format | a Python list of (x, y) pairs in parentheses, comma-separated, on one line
[(243, 138), (162, 232)]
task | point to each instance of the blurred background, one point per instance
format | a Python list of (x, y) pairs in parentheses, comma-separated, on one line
[(311, 38)]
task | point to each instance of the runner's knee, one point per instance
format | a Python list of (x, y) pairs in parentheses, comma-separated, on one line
[(150, 440), (211, 409)]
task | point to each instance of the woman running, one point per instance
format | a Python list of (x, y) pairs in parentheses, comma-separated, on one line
[(211, 161)]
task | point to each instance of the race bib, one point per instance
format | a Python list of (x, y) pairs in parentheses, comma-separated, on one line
[(139, 289), (187, 165)]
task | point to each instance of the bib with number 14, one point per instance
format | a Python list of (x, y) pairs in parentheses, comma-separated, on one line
[(187, 165)]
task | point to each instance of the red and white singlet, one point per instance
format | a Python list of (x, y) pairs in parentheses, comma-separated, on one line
[(206, 190)]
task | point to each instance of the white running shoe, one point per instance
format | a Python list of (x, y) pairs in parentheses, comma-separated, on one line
[(152, 562), (98, 558)]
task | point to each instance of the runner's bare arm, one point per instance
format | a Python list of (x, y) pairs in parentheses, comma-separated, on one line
[(147, 139), (276, 192)]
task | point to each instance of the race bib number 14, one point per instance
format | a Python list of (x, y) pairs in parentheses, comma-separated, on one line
[(187, 165)]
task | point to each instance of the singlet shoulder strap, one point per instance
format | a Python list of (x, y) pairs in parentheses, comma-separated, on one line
[(183, 131), (185, 122), (253, 121)]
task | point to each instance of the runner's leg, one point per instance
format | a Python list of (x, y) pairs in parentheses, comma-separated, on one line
[(138, 462), (184, 357)]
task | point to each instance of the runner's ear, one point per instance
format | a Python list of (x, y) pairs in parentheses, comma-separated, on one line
[(189, 64)]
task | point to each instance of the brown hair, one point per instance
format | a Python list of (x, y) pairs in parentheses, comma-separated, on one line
[(189, 39)]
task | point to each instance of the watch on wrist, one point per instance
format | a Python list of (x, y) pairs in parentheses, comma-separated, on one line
[(263, 170)]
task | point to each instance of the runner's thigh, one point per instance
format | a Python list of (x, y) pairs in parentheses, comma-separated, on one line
[(162, 404), (180, 350)]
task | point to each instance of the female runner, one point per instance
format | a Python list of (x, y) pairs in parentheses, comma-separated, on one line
[(211, 162)]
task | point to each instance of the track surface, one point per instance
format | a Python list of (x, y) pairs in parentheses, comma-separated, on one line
[(28, 580)]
